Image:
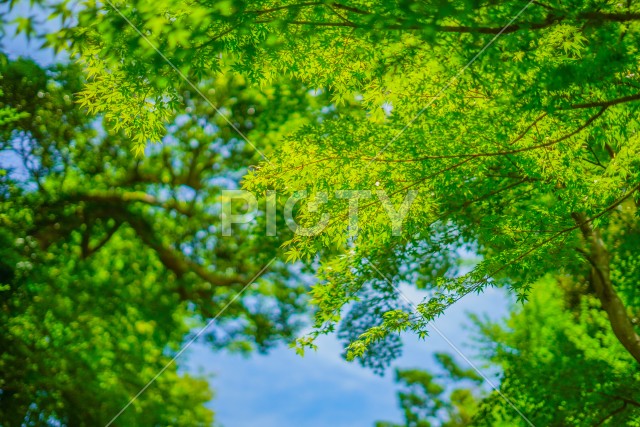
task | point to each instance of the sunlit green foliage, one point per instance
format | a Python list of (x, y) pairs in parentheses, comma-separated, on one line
[(519, 137)]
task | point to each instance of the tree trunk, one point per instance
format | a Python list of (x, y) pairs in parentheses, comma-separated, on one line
[(619, 319)]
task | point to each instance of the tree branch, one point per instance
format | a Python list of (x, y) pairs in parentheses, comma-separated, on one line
[(549, 21), (607, 104), (600, 278), (173, 259), (87, 250), (130, 197), (612, 414)]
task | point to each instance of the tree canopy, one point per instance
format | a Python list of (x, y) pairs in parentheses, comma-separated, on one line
[(504, 129), (514, 121)]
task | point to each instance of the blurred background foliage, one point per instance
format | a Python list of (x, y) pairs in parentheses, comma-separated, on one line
[(109, 262)]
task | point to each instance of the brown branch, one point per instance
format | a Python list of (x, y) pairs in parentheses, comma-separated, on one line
[(312, 23), (606, 16), (582, 223), (549, 21), (468, 155), (106, 238), (87, 250), (528, 128), (496, 153), (115, 206), (350, 9), (286, 7), (602, 393), (600, 278), (607, 104), (537, 3), (398, 24), (130, 197), (610, 150), (612, 414), (603, 105), (173, 259)]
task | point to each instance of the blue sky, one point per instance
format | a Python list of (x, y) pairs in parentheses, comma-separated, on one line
[(282, 389)]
